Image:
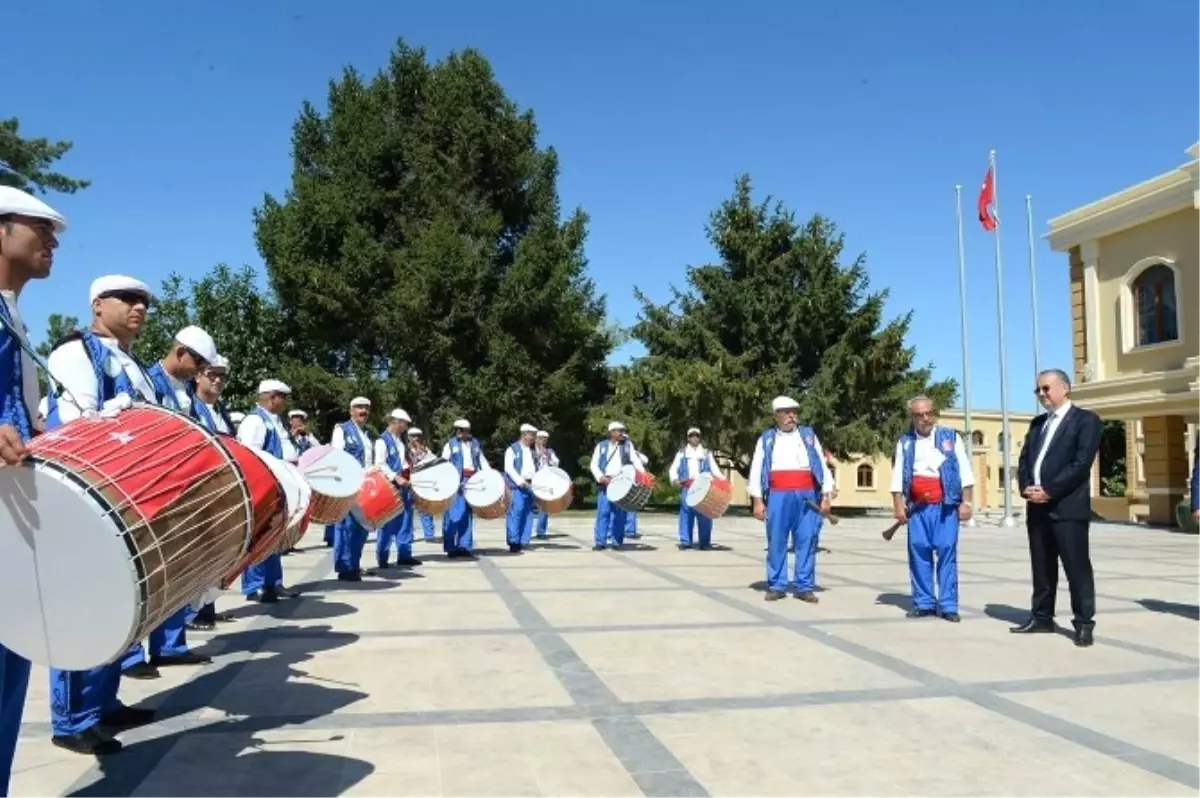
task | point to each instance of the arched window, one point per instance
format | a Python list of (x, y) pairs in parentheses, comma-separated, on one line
[(866, 477), (977, 438), (1000, 442), (1154, 298)]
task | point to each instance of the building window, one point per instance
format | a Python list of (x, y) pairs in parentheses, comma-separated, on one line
[(977, 438), (1000, 443), (1002, 473), (866, 477), (1154, 301)]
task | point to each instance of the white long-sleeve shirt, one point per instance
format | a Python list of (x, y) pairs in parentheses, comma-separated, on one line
[(927, 460), (468, 463), (696, 455), (218, 419), (252, 432), (528, 465), (338, 441), (789, 454), (613, 466), (30, 390), (72, 369), (381, 453), (179, 388), (548, 457)]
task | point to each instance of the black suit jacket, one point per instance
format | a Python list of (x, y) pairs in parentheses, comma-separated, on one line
[(1066, 469)]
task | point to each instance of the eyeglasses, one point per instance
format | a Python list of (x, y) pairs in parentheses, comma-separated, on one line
[(128, 297), (214, 375), (1041, 389)]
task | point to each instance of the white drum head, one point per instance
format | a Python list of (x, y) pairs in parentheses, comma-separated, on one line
[(619, 487), (303, 497), (331, 472), (289, 481), (484, 488), (698, 489), (551, 483), (68, 584), (436, 483)]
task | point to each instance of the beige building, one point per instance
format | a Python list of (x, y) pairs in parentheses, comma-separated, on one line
[(1133, 267), (865, 482)]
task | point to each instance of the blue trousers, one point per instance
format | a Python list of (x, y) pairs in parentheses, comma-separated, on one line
[(349, 538), (79, 698), (689, 519), (14, 681), (398, 530), (168, 639), (542, 522), (611, 521), (268, 573), (329, 533), (631, 523), (933, 528), (789, 517), (426, 526), (458, 525), (518, 524)]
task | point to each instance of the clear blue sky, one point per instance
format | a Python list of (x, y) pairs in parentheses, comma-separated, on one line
[(870, 113)]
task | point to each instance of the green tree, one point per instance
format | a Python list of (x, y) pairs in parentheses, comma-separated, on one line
[(57, 327), (1113, 469), (420, 258), (26, 163), (778, 314)]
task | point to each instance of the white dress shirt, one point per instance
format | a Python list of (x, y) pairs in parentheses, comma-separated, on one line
[(549, 458), (30, 390), (381, 453), (252, 432), (218, 419), (1049, 427), (788, 454), (71, 368), (614, 465), (927, 461), (528, 466), (179, 387), (468, 460), (338, 441), (696, 455)]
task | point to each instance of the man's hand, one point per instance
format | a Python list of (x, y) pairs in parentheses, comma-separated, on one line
[(964, 512), (399, 480), (899, 513), (826, 503), (759, 510), (1036, 495), (12, 448), (605, 480)]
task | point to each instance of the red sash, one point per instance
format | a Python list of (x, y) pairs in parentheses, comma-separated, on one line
[(926, 490), (792, 480)]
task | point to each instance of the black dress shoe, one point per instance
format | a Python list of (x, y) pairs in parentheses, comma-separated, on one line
[(349, 577), (90, 742), (124, 717), (683, 546), (514, 548), (952, 617), (1033, 626), (202, 626), (704, 547), (1083, 637), (283, 592), (919, 614), (808, 597), (186, 658), (774, 595), (599, 548), (406, 562), (143, 670), (224, 617), (383, 566)]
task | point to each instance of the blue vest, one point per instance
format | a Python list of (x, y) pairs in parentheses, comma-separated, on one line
[(393, 452), (272, 445), (163, 392), (810, 444), (456, 456), (201, 413), (108, 387), (303, 442), (943, 439), (356, 447), (12, 386), (623, 448), (683, 475)]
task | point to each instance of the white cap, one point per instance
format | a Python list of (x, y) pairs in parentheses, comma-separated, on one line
[(273, 386), (360, 401), (219, 362), (117, 282), (784, 403), (16, 201), (528, 428), (543, 434), (414, 432), (237, 417), (693, 431), (297, 414), (198, 341), (462, 423), (400, 415), (615, 425)]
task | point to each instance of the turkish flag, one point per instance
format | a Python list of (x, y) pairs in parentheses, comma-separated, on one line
[(987, 196)]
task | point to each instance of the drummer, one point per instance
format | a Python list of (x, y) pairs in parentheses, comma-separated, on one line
[(419, 454), (608, 458), (546, 458), (520, 464), (391, 456), (691, 460), (84, 704), (458, 525), (631, 517), (28, 230), (264, 430), (190, 353), (302, 439), (349, 535)]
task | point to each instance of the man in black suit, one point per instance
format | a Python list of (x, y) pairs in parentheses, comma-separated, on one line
[(1054, 475)]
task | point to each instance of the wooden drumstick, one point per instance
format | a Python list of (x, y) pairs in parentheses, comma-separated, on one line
[(890, 532), (833, 519)]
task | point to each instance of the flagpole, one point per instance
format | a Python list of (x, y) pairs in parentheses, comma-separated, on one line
[(966, 357), (1008, 519), (1037, 365)]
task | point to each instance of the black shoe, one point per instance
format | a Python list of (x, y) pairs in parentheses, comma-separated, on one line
[(186, 658), (808, 597), (143, 670), (349, 577), (919, 614), (618, 547), (952, 617), (599, 548), (328, 545), (633, 535), (284, 593), (704, 547), (254, 596), (1033, 626), (383, 566), (224, 617), (407, 562), (90, 742), (269, 596), (367, 572), (774, 595), (684, 546), (1083, 637), (823, 550), (514, 548), (202, 626), (125, 717)]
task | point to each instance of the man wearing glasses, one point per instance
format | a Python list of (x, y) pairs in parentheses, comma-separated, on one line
[(191, 353), (932, 483)]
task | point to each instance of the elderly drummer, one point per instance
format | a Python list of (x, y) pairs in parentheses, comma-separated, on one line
[(690, 461), (82, 702), (608, 458), (390, 455), (546, 458), (787, 480), (419, 454), (263, 429), (458, 525), (349, 534), (520, 464), (190, 353)]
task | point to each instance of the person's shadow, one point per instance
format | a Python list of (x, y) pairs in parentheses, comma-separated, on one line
[(1190, 611)]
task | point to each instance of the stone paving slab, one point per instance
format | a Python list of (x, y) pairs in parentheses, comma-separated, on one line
[(659, 672)]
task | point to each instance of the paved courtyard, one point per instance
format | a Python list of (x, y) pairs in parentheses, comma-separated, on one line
[(659, 672)]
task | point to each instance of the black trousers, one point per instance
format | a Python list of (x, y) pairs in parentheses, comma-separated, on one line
[(1050, 541)]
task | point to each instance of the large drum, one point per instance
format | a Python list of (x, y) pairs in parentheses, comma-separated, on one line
[(113, 524), (630, 490), (552, 490), (379, 499), (272, 509), (335, 478), (709, 496), (487, 493), (434, 486), (297, 500)]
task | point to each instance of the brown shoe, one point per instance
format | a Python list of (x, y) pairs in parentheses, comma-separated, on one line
[(808, 597)]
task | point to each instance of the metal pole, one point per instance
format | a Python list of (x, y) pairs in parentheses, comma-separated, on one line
[(1037, 363), (1008, 519), (966, 356)]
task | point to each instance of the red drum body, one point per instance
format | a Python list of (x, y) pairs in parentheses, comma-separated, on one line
[(269, 500), (379, 499)]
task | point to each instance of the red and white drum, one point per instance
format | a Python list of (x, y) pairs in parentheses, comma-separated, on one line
[(434, 486), (552, 490), (297, 499), (334, 477), (630, 490), (379, 499), (709, 496), (113, 524), (487, 493), (271, 510)]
